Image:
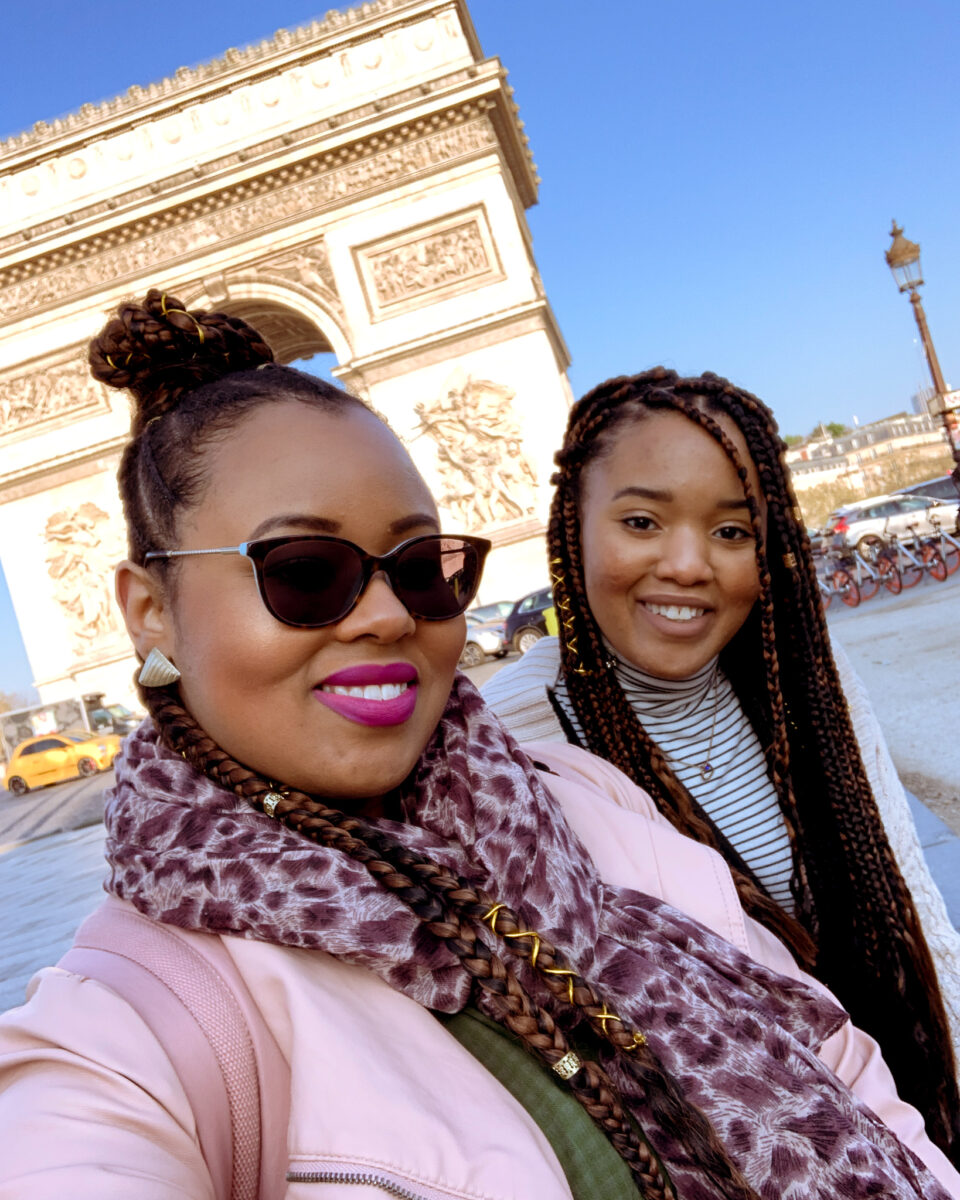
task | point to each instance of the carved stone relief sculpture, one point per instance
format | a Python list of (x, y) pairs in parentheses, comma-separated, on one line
[(427, 265), (430, 262), (84, 547), (55, 391), (486, 479)]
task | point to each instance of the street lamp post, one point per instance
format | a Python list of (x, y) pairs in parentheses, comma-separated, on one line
[(903, 259)]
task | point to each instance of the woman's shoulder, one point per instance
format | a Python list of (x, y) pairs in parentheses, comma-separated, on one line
[(518, 693), (632, 845)]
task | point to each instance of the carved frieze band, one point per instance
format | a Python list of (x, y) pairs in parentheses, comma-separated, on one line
[(58, 390), (428, 264), (323, 182)]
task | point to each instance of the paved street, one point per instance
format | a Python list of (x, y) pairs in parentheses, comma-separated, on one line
[(905, 650), (51, 869), (70, 805)]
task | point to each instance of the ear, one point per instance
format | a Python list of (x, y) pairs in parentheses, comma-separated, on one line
[(144, 606)]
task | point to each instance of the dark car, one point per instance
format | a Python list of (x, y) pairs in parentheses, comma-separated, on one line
[(526, 624)]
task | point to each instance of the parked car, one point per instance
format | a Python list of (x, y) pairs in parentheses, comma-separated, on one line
[(941, 487), (498, 611), (526, 624), (485, 638), (116, 718), (818, 543), (54, 757), (863, 523)]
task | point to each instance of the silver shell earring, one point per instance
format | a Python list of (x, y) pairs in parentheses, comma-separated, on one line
[(158, 670)]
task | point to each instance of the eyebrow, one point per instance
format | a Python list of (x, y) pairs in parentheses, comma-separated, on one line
[(666, 497), (326, 525)]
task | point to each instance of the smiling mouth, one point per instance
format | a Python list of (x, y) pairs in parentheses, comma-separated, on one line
[(675, 612), (369, 691)]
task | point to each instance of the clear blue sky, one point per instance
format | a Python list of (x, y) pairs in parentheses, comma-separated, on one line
[(718, 178)]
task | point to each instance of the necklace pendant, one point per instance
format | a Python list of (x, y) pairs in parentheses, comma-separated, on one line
[(706, 769)]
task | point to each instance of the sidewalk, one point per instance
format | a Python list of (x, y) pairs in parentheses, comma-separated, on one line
[(48, 886)]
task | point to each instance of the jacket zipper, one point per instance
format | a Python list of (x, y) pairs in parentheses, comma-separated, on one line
[(367, 1179)]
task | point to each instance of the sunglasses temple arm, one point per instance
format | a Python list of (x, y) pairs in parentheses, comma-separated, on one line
[(241, 549)]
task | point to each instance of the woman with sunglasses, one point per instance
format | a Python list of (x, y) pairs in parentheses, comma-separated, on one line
[(693, 655), (457, 972)]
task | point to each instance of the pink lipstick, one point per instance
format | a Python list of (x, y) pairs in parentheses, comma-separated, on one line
[(371, 694)]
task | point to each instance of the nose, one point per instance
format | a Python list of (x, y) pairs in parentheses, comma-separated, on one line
[(378, 614), (684, 557)]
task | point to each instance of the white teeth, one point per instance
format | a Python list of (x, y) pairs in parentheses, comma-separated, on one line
[(370, 691), (675, 612)]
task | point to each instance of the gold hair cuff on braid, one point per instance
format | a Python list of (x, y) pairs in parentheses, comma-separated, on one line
[(605, 1015), (270, 801), (167, 311), (568, 1066)]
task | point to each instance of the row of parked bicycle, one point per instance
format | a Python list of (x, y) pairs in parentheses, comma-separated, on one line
[(887, 561)]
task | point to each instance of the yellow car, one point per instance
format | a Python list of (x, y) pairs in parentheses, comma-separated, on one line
[(53, 757)]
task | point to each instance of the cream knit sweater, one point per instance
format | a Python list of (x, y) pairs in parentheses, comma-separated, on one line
[(518, 695)]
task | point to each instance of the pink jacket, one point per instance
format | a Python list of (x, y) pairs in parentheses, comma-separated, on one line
[(381, 1097)]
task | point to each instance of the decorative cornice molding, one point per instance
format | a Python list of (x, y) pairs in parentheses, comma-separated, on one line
[(335, 126), (492, 327), (323, 181), (185, 79), (79, 463)]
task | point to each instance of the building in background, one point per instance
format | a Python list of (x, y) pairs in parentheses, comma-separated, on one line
[(855, 458)]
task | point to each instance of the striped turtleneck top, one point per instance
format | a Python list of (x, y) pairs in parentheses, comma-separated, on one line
[(714, 752)]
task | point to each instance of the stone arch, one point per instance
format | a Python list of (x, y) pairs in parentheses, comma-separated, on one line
[(358, 185), (293, 318)]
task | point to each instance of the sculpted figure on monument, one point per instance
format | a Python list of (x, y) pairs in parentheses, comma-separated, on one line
[(83, 553), (486, 477)]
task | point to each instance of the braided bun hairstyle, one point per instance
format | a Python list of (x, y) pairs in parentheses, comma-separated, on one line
[(193, 376), (856, 924)]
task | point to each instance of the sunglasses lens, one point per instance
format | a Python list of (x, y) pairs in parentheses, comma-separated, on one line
[(311, 582), (437, 577)]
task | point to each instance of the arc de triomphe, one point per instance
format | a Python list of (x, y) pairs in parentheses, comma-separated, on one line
[(356, 186)]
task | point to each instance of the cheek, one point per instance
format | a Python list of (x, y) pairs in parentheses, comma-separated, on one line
[(744, 584), (608, 572), (231, 644), (442, 643)]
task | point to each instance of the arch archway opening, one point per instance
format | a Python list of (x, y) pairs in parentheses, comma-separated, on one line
[(294, 338)]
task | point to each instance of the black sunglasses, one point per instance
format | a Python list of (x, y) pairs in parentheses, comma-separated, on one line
[(311, 580)]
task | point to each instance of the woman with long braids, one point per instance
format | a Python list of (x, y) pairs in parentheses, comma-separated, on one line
[(693, 655), (453, 972)]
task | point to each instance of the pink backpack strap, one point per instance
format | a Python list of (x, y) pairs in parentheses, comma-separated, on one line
[(197, 1006)]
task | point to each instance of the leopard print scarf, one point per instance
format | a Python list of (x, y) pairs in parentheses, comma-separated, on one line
[(740, 1039)]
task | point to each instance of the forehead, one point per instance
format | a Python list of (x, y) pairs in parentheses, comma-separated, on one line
[(345, 466), (670, 451)]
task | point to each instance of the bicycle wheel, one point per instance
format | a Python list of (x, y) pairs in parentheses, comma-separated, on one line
[(846, 585), (891, 576), (870, 585), (950, 555), (938, 568), (911, 573)]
